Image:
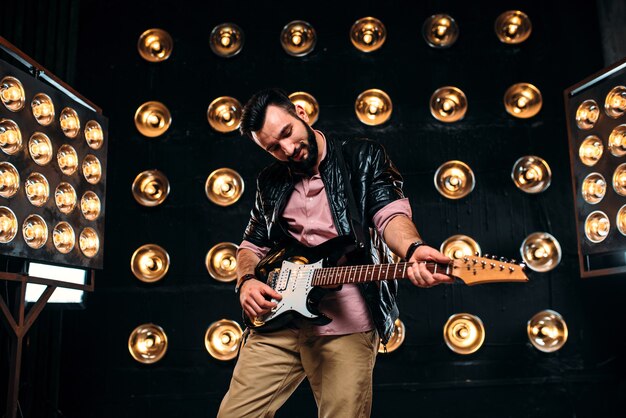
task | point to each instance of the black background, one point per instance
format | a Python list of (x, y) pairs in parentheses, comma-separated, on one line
[(507, 377)]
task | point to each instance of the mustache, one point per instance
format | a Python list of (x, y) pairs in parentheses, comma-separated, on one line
[(296, 151)]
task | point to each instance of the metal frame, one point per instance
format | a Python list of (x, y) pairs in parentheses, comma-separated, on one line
[(19, 322)]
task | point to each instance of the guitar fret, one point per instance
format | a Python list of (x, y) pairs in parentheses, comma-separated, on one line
[(329, 276)]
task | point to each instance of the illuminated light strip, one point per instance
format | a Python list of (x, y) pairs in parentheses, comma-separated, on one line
[(597, 79)]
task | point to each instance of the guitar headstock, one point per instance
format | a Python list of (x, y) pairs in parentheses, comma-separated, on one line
[(478, 270)]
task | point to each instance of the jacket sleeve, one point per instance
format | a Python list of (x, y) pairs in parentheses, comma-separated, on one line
[(256, 231), (386, 182)]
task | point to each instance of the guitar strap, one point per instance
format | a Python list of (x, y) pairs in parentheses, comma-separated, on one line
[(356, 223)]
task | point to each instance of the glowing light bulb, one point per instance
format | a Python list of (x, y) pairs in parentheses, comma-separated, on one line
[(92, 170), (521, 103), (69, 123), (69, 160), (225, 41), (40, 149), (34, 231), (618, 102), (227, 116), (540, 252), (8, 137), (65, 237), (441, 29), (94, 135), (152, 188), (512, 29), (64, 199), (148, 263), (593, 150), (156, 47), (11, 94), (91, 205), (7, 179), (6, 224), (42, 110), (447, 105), (154, 119), (598, 188), (35, 189)]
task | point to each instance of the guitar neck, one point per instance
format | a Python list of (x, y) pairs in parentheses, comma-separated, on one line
[(330, 276)]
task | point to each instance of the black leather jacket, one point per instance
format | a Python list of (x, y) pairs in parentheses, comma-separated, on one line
[(375, 183)]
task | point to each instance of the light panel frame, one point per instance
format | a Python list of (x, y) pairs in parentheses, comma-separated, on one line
[(607, 257), (25, 165)]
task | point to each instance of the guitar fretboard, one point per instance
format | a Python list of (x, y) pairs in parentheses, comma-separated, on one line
[(329, 276)]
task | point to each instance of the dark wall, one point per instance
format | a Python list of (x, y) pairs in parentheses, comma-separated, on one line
[(507, 377)]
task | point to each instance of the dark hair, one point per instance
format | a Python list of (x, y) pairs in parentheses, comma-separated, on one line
[(253, 114)]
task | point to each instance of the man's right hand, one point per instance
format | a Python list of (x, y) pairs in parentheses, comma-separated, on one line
[(254, 298)]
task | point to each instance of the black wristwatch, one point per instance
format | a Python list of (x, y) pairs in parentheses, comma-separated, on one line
[(414, 246), (244, 279)]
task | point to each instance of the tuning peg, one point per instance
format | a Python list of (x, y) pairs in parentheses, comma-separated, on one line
[(502, 259), (487, 255), (477, 254), (523, 266), (513, 261)]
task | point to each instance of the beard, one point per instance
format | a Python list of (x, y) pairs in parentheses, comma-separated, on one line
[(307, 165)]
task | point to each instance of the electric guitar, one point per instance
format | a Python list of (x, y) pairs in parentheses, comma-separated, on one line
[(300, 273)]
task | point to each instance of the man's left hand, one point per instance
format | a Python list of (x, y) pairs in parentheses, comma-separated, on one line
[(419, 274)]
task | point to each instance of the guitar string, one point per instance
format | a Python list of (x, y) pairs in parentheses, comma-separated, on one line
[(333, 272)]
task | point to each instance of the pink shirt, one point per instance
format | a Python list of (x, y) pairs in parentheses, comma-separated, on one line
[(309, 220)]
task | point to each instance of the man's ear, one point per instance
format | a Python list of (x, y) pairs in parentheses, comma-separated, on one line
[(302, 113)]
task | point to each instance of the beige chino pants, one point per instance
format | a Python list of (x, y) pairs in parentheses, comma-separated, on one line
[(272, 365)]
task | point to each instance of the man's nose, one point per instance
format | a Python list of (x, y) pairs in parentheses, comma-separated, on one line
[(288, 147)]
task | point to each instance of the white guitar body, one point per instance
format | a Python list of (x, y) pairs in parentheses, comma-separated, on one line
[(294, 283)]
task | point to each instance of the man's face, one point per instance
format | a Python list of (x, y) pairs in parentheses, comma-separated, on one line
[(289, 138)]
